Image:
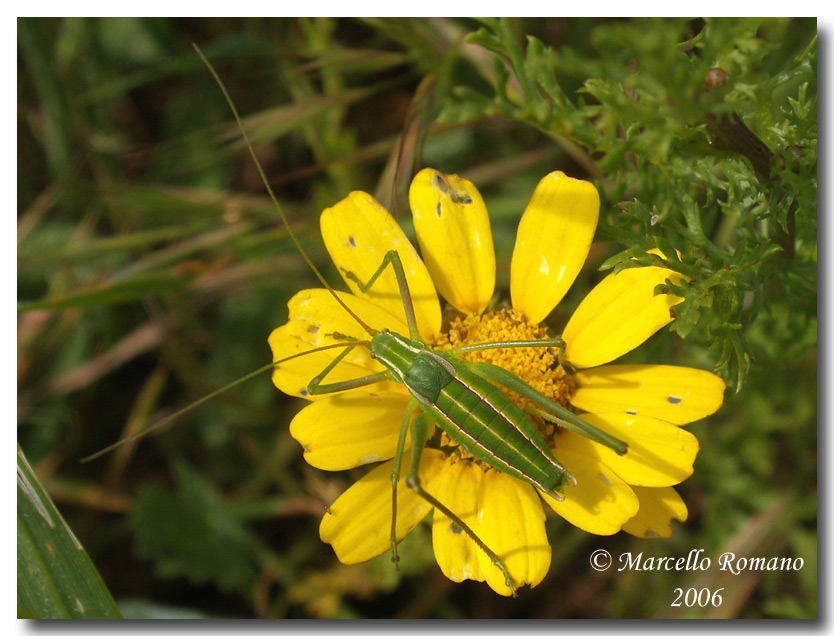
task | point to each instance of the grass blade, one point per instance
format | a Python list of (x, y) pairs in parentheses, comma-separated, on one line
[(55, 576)]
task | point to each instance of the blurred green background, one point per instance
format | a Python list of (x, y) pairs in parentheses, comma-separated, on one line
[(152, 267)]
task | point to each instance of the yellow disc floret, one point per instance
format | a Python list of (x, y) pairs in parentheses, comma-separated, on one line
[(537, 366)]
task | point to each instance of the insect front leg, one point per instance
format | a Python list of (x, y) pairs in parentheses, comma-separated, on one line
[(392, 258), (552, 343)]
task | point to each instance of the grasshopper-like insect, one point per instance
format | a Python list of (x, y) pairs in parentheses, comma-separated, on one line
[(461, 398)]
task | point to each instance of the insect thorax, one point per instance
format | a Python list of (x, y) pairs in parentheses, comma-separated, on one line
[(425, 377), (422, 371)]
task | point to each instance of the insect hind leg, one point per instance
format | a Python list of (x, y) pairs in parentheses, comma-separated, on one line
[(421, 429), (414, 483)]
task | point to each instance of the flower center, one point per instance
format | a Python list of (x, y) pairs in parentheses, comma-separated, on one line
[(537, 366)]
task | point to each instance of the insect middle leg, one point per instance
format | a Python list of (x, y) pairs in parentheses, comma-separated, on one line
[(315, 386)]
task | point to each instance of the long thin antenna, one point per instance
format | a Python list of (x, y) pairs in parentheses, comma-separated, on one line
[(206, 398), (272, 196)]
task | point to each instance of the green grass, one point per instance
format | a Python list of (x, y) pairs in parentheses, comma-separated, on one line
[(152, 267)]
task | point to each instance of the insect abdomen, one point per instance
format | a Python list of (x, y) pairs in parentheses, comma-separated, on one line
[(481, 419)]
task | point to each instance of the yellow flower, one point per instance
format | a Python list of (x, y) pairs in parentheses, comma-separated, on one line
[(642, 405)]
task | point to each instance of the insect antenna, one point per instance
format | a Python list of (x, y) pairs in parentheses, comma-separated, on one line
[(213, 394), (305, 256), (272, 196)]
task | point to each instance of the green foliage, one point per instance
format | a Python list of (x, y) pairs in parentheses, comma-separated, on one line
[(152, 268), (55, 577), (216, 548), (676, 163)]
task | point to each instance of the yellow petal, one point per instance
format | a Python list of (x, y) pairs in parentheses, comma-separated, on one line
[(511, 523), (600, 503), (316, 313), (507, 516), (618, 315), (457, 486), (675, 394), (358, 524), (659, 453), (292, 376), (553, 240), (350, 429), (313, 316), (358, 232), (451, 223), (658, 506)]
